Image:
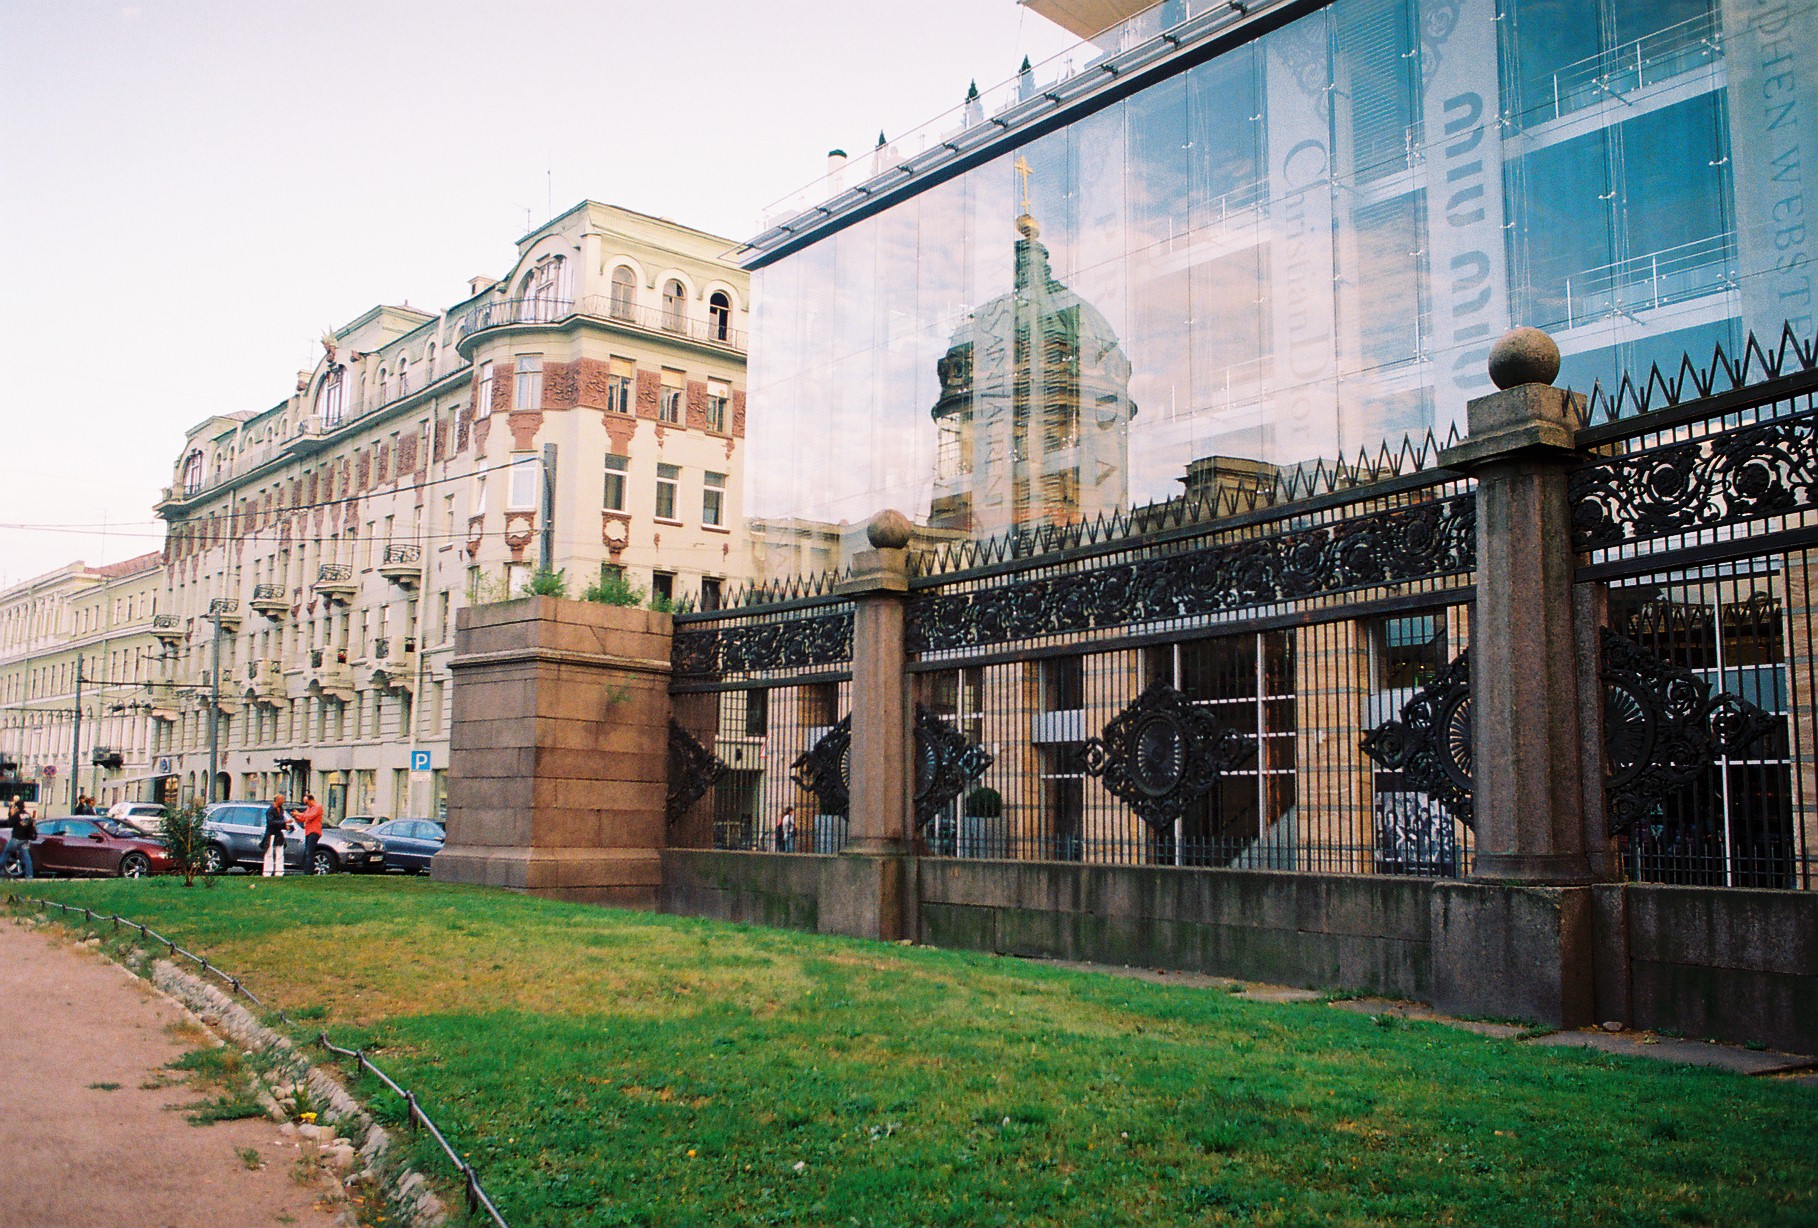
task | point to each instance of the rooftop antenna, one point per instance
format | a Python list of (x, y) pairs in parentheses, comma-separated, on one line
[(549, 191)]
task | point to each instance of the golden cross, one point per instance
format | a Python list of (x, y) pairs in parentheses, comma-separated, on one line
[(1022, 167)]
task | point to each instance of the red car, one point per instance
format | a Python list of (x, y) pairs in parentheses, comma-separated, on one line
[(94, 846)]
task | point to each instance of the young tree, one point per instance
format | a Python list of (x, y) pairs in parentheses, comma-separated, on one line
[(183, 838)]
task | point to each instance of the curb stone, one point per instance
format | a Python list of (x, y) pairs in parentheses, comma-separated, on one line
[(402, 1185)]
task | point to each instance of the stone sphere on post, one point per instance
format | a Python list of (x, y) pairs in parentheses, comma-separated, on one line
[(889, 530), (1523, 356)]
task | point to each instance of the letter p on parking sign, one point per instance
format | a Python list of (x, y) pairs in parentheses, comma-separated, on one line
[(419, 761)]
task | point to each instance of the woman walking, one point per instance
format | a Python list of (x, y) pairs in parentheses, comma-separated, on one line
[(277, 822)]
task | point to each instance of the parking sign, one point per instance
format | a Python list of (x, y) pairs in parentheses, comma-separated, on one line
[(419, 761)]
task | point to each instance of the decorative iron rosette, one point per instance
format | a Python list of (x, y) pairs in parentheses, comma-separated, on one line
[(1663, 729), (1431, 744), (1421, 541), (824, 769), (693, 769), (1766, 469), (1162, 753), (945, 763)]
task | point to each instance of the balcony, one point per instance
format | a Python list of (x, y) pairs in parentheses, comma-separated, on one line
[(269, 600), (394, 663), (108, 757), (224, 612), (265, 683), (329, 674), (335, 582), (166, 630), (403, 565), (507, 313)]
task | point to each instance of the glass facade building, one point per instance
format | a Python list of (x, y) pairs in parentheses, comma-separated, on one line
[(1286, 235)]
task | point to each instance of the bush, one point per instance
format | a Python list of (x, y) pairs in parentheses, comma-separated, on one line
[(985, 802), (663, 605), (546, 583), (614, 589), (182, 836)]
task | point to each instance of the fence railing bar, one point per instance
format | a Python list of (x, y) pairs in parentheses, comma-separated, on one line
[(477, 1198)]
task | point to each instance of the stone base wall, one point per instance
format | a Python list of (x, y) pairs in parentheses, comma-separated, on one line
[(1736, 965), (558, 753)]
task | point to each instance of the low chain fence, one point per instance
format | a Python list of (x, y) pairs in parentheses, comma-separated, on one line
[(478, 1202)]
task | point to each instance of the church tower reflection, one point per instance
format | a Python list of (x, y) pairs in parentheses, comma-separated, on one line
[(1034, 410)]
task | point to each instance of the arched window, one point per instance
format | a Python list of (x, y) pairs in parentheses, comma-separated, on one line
[(675, 299), (624, 293), (384, 385), (403, 374), (328, 400), (429, 363), (192, 472), (545, 291), (719, 316)]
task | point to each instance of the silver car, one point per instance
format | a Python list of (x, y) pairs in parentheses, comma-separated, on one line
[(236, 829)]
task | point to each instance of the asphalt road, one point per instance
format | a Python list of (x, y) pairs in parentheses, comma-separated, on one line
[(75, 1153)]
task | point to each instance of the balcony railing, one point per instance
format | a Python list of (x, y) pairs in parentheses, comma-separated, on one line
[(164, 622), (548, 311), (224, 607), (318, 657), (402, 556), (1645, 61), (335, 573), (381, 647), (1658, 279), (268, 592)]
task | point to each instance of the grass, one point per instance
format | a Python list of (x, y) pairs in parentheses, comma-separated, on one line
[(221, 1070), (602, 1067)]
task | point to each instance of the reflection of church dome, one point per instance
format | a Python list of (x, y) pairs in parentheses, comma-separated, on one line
[(1034, 407)]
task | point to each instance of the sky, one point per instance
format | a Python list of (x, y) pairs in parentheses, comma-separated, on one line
[(193, 191)]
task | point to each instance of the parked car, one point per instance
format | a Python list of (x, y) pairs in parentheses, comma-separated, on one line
[(360, 822), (145, 817), (409, 843), (88, 846), (235, 830)]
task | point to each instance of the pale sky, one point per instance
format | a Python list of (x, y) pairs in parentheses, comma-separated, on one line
[(192, 191)]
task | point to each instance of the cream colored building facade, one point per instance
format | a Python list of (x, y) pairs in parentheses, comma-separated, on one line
[(321, 548), (79, 639)]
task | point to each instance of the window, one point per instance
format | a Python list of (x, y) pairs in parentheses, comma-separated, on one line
[(384, 385), (482, 401), (192, 473), (662, 584), (618, 385), (624, 293), (526, 482), (328, 401), (429, 362), (710, 593), (1063, 684), (675, 300), (530, 382), (713, 499), (544, 292), (719, 316), (479, 495), (668, 477), (517, 576), (473, 585), (719, 395), (757, 713), (403, 374), (669, 409), (616, 468)]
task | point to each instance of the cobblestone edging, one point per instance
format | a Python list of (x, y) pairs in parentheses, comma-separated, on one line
[(402, 1187)]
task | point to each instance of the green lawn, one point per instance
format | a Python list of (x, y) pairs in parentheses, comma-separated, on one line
[(603, 1067)]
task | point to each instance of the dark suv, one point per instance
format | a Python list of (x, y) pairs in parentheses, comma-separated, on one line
[(235, 829)]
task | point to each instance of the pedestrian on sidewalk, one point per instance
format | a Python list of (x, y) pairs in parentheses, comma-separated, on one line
[(277, 822), (312, 831), (85, 805), (785, 831), (19, 843)]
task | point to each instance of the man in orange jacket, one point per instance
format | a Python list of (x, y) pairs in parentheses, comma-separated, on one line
[(312, 831)]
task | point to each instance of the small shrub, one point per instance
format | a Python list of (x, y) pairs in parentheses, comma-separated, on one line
[(546, 583), (614, 589), (985, 802), (662, 604), (182, 836)]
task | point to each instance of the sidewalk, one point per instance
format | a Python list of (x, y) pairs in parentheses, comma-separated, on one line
[(86, 1142)]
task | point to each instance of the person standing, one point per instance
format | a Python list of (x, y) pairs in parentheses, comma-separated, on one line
[(85, 805), (23, 832), (277, 822), (312, 831), (785, 831)]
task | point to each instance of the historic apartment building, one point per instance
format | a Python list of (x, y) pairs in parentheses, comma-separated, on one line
[(1218, 246), (587, 409), (79, 639)]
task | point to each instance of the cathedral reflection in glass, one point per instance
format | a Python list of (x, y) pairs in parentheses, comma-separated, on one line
[(1272, 251)]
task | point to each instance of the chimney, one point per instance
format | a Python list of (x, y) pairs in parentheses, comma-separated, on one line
[(836, 158), (476, 285)]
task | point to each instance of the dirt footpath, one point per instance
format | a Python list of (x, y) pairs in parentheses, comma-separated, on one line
[(73, 1152)]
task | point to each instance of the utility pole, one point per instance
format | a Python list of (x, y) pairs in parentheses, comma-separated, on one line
[(75, 741), (214, 706), (546, 545)]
